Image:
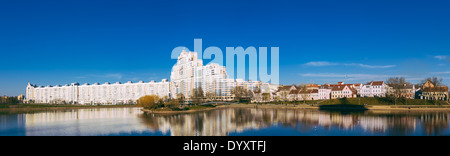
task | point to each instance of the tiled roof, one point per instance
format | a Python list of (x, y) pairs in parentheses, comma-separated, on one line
[(436, 89), (338, 87), (375, 83), (293, 92), (285, 88)]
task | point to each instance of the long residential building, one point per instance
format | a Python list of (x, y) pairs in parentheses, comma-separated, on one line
[(96, 93)]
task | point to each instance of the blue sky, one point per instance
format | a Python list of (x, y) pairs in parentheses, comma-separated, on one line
[(88, 41)]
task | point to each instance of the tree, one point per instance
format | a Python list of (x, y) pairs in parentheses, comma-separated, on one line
[(181, 98), (197, 96), (284, 96), (437, 82), (9, 100), (397, 84), (240, 93), (266, 97), (210, 96), (304, 93), (149, 102), (173, 103)]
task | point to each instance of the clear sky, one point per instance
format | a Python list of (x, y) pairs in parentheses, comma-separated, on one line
[(88, 41)]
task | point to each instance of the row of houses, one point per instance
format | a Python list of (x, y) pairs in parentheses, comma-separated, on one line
[(370, 89)]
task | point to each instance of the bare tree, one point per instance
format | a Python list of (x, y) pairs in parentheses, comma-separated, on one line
[(241, 93), (197, 96), (266, 97), (437, 82), (304, 93), (397, 84), (210, 96), (181, 98)]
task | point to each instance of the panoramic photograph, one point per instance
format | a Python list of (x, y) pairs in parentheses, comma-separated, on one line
[(224, 68)]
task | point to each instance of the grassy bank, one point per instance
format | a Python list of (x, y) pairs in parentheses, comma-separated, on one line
[(184, 109), (382, 101), (345, 107)]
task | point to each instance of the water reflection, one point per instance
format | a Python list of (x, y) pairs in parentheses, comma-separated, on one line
[(224, 122), (76, 122), (234, 121)]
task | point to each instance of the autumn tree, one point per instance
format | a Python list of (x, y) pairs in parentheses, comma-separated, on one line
[(173, 104), (149, 101)]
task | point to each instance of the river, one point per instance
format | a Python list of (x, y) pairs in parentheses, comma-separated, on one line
[(224, 122)]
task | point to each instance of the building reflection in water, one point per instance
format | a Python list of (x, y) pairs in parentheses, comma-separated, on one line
[(224, 121), (103, 121)]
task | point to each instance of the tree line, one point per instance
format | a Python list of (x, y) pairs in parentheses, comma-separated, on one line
[(9, 100), (198, 97)]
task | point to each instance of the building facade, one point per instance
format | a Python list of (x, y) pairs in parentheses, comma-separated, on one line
[(342, 91), (432, 92), (374, 89), (187, 74), (96, 93)]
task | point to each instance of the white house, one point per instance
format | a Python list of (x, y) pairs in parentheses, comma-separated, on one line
[(324, 92), (374, 89), (342, 91)]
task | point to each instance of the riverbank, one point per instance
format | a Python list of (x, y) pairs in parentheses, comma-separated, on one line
[(345, 107), (46, 107), (189, 109)]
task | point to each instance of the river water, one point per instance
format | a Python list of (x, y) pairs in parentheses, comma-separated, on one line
[(224, 122)]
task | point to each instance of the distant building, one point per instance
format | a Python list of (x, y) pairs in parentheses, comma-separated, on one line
[(20, 97), (406, 91), (374, 89), (324, 92), (190, 73), (287, 93), (342, 91), (432, 92), (106, 93)]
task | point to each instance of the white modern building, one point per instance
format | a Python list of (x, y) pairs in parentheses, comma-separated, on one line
[(187, 74)]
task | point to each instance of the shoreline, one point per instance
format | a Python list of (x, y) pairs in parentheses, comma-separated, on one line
[(303, 106), (179, 112), (45, 107), (349, 107)]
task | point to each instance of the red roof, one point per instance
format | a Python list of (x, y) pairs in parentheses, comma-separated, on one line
[(293, 92), (338, 87), (376, 83)]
